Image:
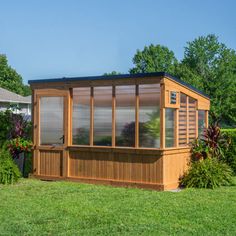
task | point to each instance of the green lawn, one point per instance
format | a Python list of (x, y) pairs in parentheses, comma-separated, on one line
[(34, 207)]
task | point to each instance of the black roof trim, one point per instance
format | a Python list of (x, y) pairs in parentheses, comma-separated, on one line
[(120, 76)]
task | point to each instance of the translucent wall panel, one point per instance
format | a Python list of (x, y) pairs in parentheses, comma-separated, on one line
[(51, 120), (192, 107), (102, 116), (81, 116), (201, 122), (183, 120), (149, 115), (170, 127), (125, 116)]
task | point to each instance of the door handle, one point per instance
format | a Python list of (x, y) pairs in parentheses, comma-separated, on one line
[(62, 138)]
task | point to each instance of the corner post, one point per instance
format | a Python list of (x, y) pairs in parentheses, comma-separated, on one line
[(162, 115)]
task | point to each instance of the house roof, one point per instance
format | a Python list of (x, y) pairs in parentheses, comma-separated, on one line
[(120, 76), (8, 96)]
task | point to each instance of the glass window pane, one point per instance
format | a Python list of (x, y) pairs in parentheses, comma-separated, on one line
[(102, 115), (201, 122), (183, 120), (170, 127), (192, 107), (149, 115), (125, 116), (51, 120), (81, 116)]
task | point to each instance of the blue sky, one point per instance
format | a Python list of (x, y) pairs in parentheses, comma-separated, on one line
[(57, 38)]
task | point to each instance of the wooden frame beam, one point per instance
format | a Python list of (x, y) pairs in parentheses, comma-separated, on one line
[(113, 116), (91, 133), (187, 119), (137, 116)]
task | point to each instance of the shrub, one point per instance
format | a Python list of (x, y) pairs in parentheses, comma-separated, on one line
[(199, 150), (207, 173), (216, 141), (14, 125), (9, 172), (230, 132), (230, 153)]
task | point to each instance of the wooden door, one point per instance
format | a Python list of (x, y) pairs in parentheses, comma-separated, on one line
[(50, 132)]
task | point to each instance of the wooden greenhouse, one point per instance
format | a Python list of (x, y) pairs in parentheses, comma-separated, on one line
[(128, 130)]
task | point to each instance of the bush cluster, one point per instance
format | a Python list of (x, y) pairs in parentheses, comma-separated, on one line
[(17, 130), (213, 159), (207, 173), (9, 172), (230, 153)]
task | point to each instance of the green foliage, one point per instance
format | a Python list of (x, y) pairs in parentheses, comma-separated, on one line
[(230, 154), (9, 172), (14, 125), (216, 141), (213, 143), (209, 167), (154, 58), (81, 137), (153, 125), (103, 141), (231, 133), (199, 150), (210, 66), (18, 145), (10, 79), (207, 65), (207, 173), (35, 207), (112, 73)]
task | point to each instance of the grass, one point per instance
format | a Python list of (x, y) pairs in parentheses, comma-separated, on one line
[(34, 207)]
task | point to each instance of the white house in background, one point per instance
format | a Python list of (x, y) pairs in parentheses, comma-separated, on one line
[(9, 99)]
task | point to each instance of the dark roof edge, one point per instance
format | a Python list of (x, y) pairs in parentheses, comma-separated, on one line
[(120, 76), (187, 85)]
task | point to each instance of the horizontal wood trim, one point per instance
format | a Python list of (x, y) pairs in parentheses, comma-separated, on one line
[(92, 83)]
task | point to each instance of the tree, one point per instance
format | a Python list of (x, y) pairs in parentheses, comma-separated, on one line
[(210, 66), (10, 79), (154, 58), (112, 73)]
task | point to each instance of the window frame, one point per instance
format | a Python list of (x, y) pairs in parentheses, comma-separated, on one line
[(91, 143)]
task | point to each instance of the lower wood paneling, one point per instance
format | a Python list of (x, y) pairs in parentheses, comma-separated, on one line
[(50, 163), (175, 163), (152, 169), (138, 168)]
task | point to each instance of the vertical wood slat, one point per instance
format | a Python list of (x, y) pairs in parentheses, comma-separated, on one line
[(206, 119), (162, 116), (187, 119), (132, 167), (113, 116), (35, 113), (136, 116), (70, 110), (68, 106), (196, 124), (51, 163), (176, 134), (162, 128), (91, 116), (37, 117), (66, 136)]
